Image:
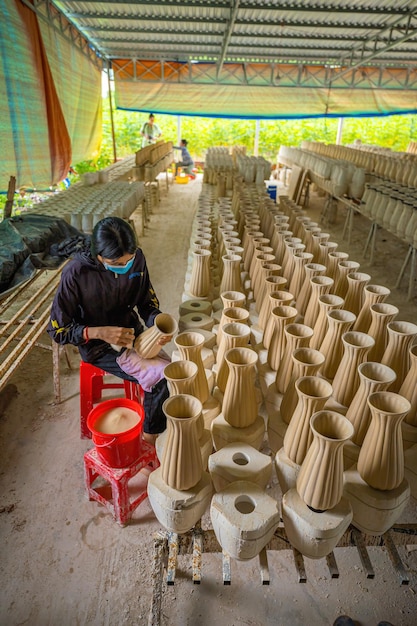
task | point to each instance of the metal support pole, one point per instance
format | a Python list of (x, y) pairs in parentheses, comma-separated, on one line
[(113, 136)]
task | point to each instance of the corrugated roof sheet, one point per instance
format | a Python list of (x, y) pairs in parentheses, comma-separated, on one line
[(318, 31)]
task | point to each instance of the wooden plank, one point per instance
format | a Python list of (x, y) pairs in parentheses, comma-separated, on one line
[(8, 207)]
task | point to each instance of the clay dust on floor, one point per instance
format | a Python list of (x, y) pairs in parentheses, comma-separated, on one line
[(65, 561)]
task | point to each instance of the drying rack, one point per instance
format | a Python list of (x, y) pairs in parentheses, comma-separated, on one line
[(168, 546)]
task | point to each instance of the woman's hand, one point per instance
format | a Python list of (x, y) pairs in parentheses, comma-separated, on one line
[(116, 335)]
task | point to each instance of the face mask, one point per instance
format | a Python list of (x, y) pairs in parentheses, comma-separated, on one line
[(120, 269)]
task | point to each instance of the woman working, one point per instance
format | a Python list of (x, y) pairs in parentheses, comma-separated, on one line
[(102, 293)]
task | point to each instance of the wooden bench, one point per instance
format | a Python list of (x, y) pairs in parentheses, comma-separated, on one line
[(24, 316)]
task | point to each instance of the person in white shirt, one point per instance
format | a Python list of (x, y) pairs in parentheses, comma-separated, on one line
[(150, 131)]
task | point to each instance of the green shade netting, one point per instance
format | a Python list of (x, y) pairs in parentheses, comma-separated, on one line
[(245, 91)]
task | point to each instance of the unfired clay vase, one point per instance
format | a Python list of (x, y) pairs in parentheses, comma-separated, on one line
[(240, 406), (181, 463), (319, 286), (200, 280), (297, 336), (231, 279), (281, 316), (409, 388), (372, 377), (272, 283), (396, 355), (333, 258), (306, 362), (297, 279), (381, 315), (147, 343), (313, 393), (320, 481), (327, 302), (234, 335), (233, 298), (346, 380), (180, 377), (339, 322), (190, 345), (310, 270), (356, 282), (343, 269), (381, 459), (372, 294), (267, 269), (276, 298), (236, 314)]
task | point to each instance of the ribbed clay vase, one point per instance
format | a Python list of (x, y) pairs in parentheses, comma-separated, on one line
[(281, 316), (234, 335), (320, 480), (180, 377), (356, 282), (381, 458), (381, 315), (325, 247), (343, 269), (181, 462), (297, 336), (231, 279), (409, 388), (396, 355), (313, 393), (240, 405), (261, 246), (288, 263), (200, 280), (346, 381), (233, 298), (267, 269), (319, 286), (372, 294), (300, 261), (190, 345), (339, 322), (271, 283), (257, 279), (306, 362), (147, 344), (333, 259), (372, 377), (310, 270), (229, 315), (327, 302)]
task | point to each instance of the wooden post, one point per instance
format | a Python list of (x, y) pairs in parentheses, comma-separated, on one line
[(10, 197)]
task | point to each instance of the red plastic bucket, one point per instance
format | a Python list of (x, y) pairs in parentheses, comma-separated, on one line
[(117, 449)]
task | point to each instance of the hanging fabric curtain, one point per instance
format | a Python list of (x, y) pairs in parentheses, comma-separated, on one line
[(46, 123)]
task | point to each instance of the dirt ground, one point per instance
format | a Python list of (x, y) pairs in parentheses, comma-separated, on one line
[(65, 561)]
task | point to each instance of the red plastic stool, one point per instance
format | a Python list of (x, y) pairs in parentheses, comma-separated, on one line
[(91, 388), (120, 503)]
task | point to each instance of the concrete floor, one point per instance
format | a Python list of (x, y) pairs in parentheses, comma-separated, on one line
[(65, 561)]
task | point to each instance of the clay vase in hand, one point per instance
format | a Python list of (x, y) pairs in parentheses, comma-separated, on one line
[(147, 344)]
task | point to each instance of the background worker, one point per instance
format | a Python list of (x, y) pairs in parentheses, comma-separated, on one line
[(150, 131), (186, 162)]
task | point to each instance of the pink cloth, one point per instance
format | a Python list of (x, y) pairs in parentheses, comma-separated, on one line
[(148, 372)]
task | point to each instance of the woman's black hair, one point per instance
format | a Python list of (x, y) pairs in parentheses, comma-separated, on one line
[(112, 238), (184, 141)]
